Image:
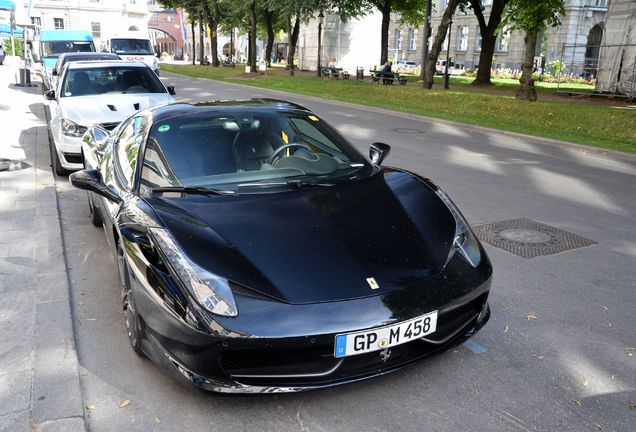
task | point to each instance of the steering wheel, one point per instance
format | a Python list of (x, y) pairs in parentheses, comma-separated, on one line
[(279, 150)]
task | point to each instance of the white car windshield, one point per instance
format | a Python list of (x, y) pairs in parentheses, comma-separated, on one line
[(112, 79), (131, 46)]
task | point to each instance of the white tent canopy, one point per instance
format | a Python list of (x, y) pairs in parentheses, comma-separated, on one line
[(617, 57)]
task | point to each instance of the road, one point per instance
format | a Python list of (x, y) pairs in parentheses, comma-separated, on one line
[(567, 368)]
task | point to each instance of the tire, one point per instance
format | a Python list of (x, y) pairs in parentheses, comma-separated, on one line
[(96, 218), (55, 162), (131, 318)]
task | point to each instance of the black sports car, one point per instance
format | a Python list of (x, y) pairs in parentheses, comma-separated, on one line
[(258, 251)]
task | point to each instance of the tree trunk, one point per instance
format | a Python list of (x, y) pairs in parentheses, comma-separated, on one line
[(212, 24), (384, 38), (488, 38), (293, 40), (201, 48), (526, 89), (437, 43), (194, 45), (253, 38), (269, 23)]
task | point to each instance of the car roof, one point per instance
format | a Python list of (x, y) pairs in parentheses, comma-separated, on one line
[(90, 54), (180, 109), (104, 63)]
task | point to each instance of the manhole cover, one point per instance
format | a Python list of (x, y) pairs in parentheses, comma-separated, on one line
[(408, 130), (527, 238), (12, 165)]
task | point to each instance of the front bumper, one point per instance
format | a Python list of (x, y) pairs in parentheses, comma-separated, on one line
[(240, 386), (275, 347)]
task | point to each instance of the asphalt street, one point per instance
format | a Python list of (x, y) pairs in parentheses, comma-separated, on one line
[(555, 355)]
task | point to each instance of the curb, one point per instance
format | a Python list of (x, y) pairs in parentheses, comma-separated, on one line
[(580, 148), (57, 402)]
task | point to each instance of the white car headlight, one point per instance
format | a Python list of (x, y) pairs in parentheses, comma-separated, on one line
[(70, 128), (464, 240), (211, 291)]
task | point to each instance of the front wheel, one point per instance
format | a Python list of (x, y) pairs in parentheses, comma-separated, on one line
[(96, 218), (55, 162), (133, 323)]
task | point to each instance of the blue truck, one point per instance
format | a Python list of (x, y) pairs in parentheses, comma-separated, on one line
[(52, 43)]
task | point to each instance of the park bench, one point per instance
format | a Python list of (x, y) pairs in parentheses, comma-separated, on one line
[(387, 78), (334, 73)]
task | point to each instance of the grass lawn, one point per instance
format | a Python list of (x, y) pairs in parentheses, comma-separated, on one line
[(591, 124)]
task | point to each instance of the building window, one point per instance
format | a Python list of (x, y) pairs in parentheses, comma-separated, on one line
[(478, 39), (36, 21), (412, 45), (462, 38), (502, 40), (58, 23), (96, 29), (398, 39), (445, 43)]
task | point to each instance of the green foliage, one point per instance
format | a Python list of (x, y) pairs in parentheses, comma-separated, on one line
[(530, 15), (556, 67), (8, 50)]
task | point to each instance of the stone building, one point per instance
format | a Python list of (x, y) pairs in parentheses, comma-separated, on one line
[(582, 21)]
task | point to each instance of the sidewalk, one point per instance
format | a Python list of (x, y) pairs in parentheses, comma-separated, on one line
[(39, 380)]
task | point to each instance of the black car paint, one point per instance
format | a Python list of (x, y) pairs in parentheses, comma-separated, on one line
[(390, 226)]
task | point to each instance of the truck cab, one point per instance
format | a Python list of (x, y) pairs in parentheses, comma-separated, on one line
[(52, 43), (134, 46)]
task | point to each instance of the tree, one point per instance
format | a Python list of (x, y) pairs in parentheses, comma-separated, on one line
[(411, 12), (532, 16), (212, 11), (488, 31), (438, 41)]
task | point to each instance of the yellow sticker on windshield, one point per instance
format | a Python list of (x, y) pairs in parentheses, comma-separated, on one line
[(311, 117), (285, 137)]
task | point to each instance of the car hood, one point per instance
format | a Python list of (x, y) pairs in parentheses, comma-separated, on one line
[(108, 108), (318, 244)]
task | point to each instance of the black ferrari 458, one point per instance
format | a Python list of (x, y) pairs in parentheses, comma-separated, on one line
[(259, 251)]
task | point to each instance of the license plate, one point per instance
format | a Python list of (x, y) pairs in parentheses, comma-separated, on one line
[(350, 344)]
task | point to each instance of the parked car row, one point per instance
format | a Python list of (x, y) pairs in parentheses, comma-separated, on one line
[(257, 250), (96, 88)]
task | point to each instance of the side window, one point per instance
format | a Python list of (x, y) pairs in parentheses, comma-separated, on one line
[(127, 148), (156, 170)]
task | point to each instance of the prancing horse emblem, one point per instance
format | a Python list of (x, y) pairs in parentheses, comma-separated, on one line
[(385, 354), (372, 283)]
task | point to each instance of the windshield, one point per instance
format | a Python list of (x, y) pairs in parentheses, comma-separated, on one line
[(248, 151), (54, 49), (131, 46), (116, 79)]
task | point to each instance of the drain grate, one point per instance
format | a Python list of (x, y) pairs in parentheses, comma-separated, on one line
[(408, 130), (527, 238)]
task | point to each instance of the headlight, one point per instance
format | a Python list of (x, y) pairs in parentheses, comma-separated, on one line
[(464, 241), (211, 291), (70, 128)]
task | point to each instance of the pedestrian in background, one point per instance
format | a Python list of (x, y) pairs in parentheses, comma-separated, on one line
[(1, 55)]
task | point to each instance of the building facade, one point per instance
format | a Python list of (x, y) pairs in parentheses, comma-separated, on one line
[(566, 42)]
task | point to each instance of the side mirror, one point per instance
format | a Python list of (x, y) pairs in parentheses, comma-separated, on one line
[(378, 152), (54, 73), (91, 180), (171, 90), (50, 95)]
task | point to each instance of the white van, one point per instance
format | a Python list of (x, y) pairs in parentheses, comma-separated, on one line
[(133, 46)]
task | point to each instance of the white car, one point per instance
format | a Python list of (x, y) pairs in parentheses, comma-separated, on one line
[(103, 93)]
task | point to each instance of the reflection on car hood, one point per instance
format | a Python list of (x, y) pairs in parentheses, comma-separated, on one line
[(89, 110), (317, 244)]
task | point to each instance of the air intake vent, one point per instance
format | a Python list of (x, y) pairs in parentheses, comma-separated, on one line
[(111, 107), (136, 106)]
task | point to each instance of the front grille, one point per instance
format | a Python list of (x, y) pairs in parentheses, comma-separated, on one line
[(73, 158), (109, 126), (274, 362)]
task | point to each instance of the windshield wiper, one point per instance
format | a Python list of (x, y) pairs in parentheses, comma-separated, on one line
[(192, 190), (297, 183)]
